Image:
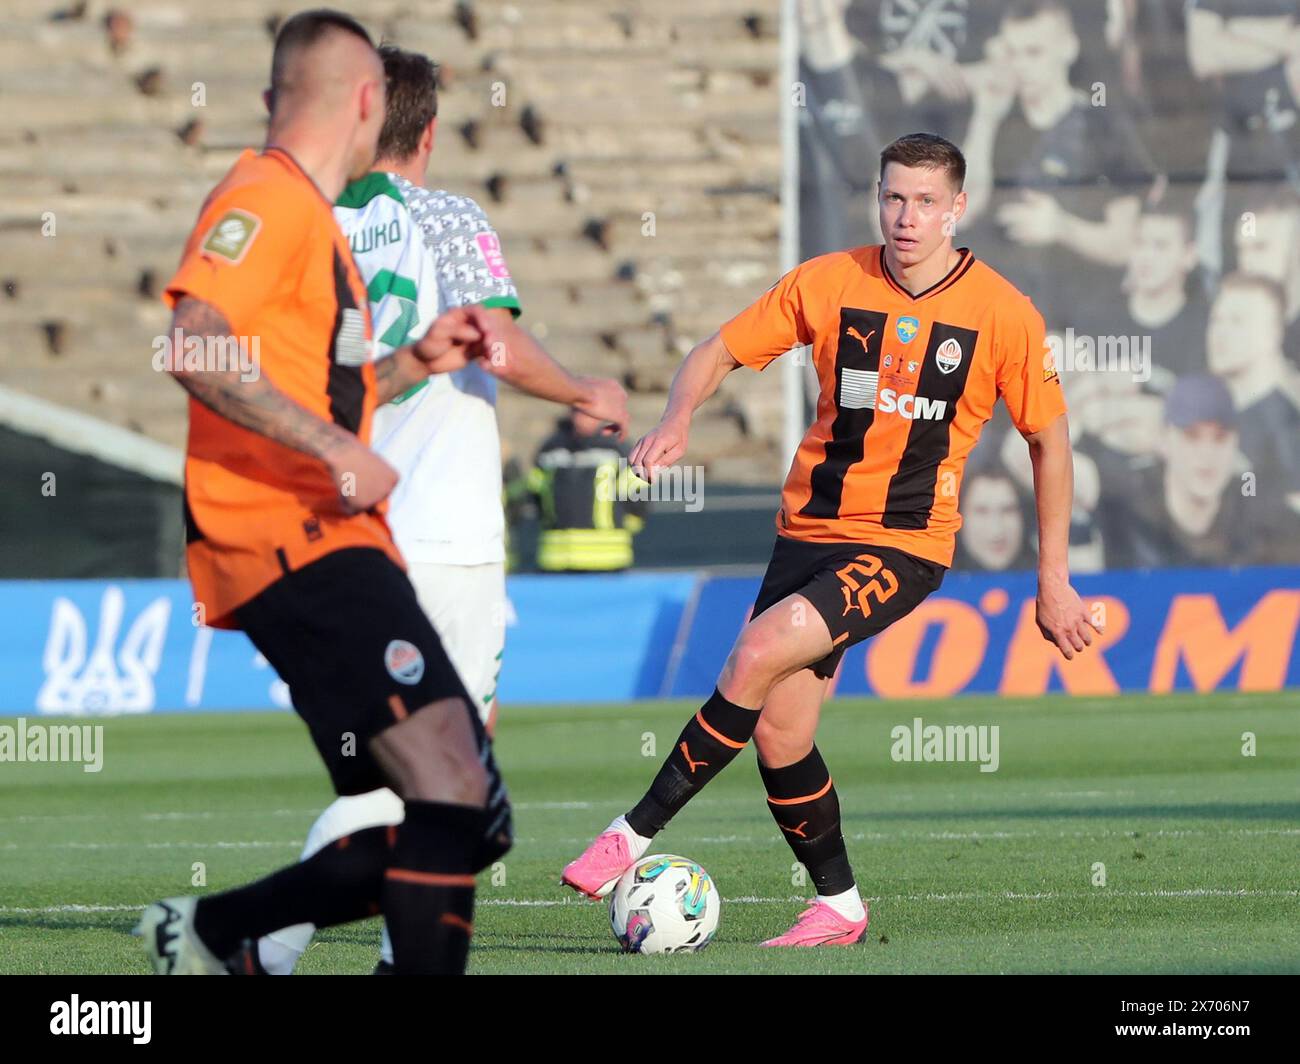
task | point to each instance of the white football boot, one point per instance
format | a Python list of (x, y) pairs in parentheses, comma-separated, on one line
[(167, 928)]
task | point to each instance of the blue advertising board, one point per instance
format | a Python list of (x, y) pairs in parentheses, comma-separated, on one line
[(130, 646)]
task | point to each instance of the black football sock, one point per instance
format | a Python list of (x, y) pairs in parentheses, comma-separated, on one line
[(707, 745), (806, 808), (338, 883), (428, 893)]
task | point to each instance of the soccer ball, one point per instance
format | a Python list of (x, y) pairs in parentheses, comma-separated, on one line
[(664, 904)]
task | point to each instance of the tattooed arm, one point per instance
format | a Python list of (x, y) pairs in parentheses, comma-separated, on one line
[(256, 404), (398, 372)]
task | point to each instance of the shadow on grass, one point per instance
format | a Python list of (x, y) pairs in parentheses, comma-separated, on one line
[(483, 945)]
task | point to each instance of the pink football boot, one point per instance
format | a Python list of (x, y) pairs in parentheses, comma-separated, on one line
[(600, 866), (820, 925)]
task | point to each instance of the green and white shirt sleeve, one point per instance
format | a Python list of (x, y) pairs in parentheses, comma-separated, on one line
[(466, 249), (399, 269)]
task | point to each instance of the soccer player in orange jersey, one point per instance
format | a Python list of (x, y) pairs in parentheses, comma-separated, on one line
[(285, 531), (913, 342)]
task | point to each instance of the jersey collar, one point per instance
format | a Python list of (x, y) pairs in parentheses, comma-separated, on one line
[(294, 164), (364, 189), (964, 263)]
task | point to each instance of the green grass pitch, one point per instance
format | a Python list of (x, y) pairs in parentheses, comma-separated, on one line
[(965, 871)]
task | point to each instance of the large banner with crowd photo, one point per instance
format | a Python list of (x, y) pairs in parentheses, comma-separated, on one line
[(1134, 167)]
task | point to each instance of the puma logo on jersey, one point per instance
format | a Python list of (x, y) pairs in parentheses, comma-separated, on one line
[(860, 338), (911, 407)]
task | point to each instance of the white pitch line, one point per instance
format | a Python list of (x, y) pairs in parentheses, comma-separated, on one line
[(42, 818), (711, 840), (580, 805), (550, 903), (49, 909), (213, 814), (243, 844)]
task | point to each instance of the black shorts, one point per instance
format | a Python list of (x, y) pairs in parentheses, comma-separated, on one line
[(857, 589), (348, 636)]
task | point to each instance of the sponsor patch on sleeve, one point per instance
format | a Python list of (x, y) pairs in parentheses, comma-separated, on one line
[(489, 247), (233, 235)]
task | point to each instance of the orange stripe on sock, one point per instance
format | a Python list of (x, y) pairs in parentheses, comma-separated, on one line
[(805, 798), (839, 639), (429, 879), (395, 704), (392, 835), (456, 921), (699, 716)]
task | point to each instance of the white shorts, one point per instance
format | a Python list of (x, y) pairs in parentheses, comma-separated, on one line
[(468, 608)]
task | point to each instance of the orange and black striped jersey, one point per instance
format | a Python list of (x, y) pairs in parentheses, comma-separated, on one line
[(267, 254), (907, 383)]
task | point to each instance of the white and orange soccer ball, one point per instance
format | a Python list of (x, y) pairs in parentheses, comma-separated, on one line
[(664, 904)]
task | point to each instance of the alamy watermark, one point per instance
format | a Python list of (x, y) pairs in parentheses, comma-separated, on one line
[(678, 483), (78, 1017), (179, 353), (75, 743), (950, 742), (1083, 353)]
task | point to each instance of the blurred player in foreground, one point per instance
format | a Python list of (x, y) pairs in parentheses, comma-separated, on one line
[(913, 341), (421, 251), (286, 537)]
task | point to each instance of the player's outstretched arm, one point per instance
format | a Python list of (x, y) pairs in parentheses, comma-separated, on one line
[(255, 403), (1062, 618), (519, 360), (698, 378)]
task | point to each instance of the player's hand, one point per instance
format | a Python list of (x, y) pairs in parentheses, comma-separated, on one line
[(606, 401), (992, 90), (455, 337), (940, 74), (362, 478), (1035, 221), (1062, 618), (662, 446)]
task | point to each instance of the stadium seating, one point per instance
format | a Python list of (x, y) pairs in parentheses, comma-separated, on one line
[(611, 110)]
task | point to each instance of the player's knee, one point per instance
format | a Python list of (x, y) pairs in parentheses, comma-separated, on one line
[(433, 755), (447, 781), (750, 661)]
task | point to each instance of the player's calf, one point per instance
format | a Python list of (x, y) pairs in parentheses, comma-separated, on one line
[(802, 799), (708, 744), (456, 807), (340, 883)]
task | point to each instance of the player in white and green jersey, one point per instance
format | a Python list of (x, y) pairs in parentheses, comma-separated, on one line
[(422, 251)]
